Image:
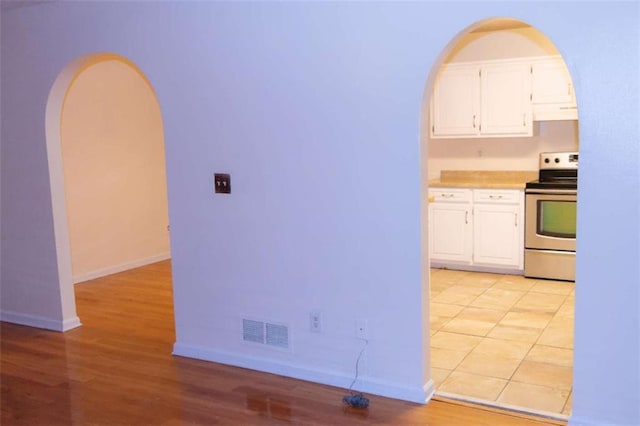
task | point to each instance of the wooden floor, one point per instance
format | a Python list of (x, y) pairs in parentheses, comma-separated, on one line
[(117, 369)]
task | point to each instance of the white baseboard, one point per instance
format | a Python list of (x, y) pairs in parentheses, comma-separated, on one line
[(421, 395), (119, 268), (40, 322), (495, 404), (477, 268), (429, 389)]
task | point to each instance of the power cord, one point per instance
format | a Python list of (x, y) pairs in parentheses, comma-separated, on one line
[(353, 399)]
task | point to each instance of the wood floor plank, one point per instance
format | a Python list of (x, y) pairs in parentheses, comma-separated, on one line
[(117, 369)]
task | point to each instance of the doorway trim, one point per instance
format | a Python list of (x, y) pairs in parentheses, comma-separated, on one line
[(425, 125), (53, 118)]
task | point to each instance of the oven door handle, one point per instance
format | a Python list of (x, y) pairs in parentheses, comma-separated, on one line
[(551, 191)]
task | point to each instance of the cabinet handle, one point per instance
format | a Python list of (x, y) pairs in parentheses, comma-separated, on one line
[(524, 119), (495, 197), (474, 121), (516, 221), (447, 195), (466, 217)]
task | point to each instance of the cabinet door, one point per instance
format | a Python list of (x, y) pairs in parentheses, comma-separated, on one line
[(550, 82), (498, 235), (456, 101), (450, 232), (552, 93), (505, 100)]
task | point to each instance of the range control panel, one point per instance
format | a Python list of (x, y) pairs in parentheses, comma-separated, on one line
[(558, 160)]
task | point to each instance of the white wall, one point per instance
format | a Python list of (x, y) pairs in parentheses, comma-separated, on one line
[(502, 153), (114, 171), (314, 109)]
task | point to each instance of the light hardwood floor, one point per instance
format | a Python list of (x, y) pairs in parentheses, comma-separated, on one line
[(117, 369)]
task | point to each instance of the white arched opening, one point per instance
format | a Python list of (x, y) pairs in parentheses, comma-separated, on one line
[(105, 159), (522, 154)]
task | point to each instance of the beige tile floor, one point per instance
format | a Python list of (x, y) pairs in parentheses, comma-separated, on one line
[(503, 339)]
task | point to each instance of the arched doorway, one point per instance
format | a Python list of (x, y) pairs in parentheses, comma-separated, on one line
[(108, 177), (497, 337)]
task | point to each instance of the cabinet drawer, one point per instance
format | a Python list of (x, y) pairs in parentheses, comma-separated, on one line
[(496, 196), (450, 195)]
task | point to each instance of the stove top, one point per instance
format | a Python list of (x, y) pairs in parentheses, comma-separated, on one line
[(558, 170)]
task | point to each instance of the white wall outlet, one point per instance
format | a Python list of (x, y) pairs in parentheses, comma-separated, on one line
[(362, 329), (315, 322)]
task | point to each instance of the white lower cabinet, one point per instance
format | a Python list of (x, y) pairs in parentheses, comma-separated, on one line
[(477, 228), (450, 227)]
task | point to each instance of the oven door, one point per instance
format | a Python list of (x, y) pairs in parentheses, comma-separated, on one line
[(550, 219)]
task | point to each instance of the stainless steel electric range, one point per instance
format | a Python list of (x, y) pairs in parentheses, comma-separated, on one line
[(550, 218)]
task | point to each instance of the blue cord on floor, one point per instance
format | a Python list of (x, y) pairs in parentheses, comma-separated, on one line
[(357, 400)]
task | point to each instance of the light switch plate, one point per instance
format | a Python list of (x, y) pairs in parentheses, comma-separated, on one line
[(222, 183)]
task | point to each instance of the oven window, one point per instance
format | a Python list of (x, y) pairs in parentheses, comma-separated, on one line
[(557, 218)]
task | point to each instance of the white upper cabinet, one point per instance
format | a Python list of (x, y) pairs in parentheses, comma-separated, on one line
[(552, 96), (500, 98), (482, 99), (456, 101), (505, 94)]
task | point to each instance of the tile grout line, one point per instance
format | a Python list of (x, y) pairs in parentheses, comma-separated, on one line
[(484, 337)]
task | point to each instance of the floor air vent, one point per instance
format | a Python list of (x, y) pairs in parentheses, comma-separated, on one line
[(265, 333)]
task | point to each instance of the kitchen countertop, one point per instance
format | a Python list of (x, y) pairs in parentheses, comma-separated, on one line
[(491, 179)]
